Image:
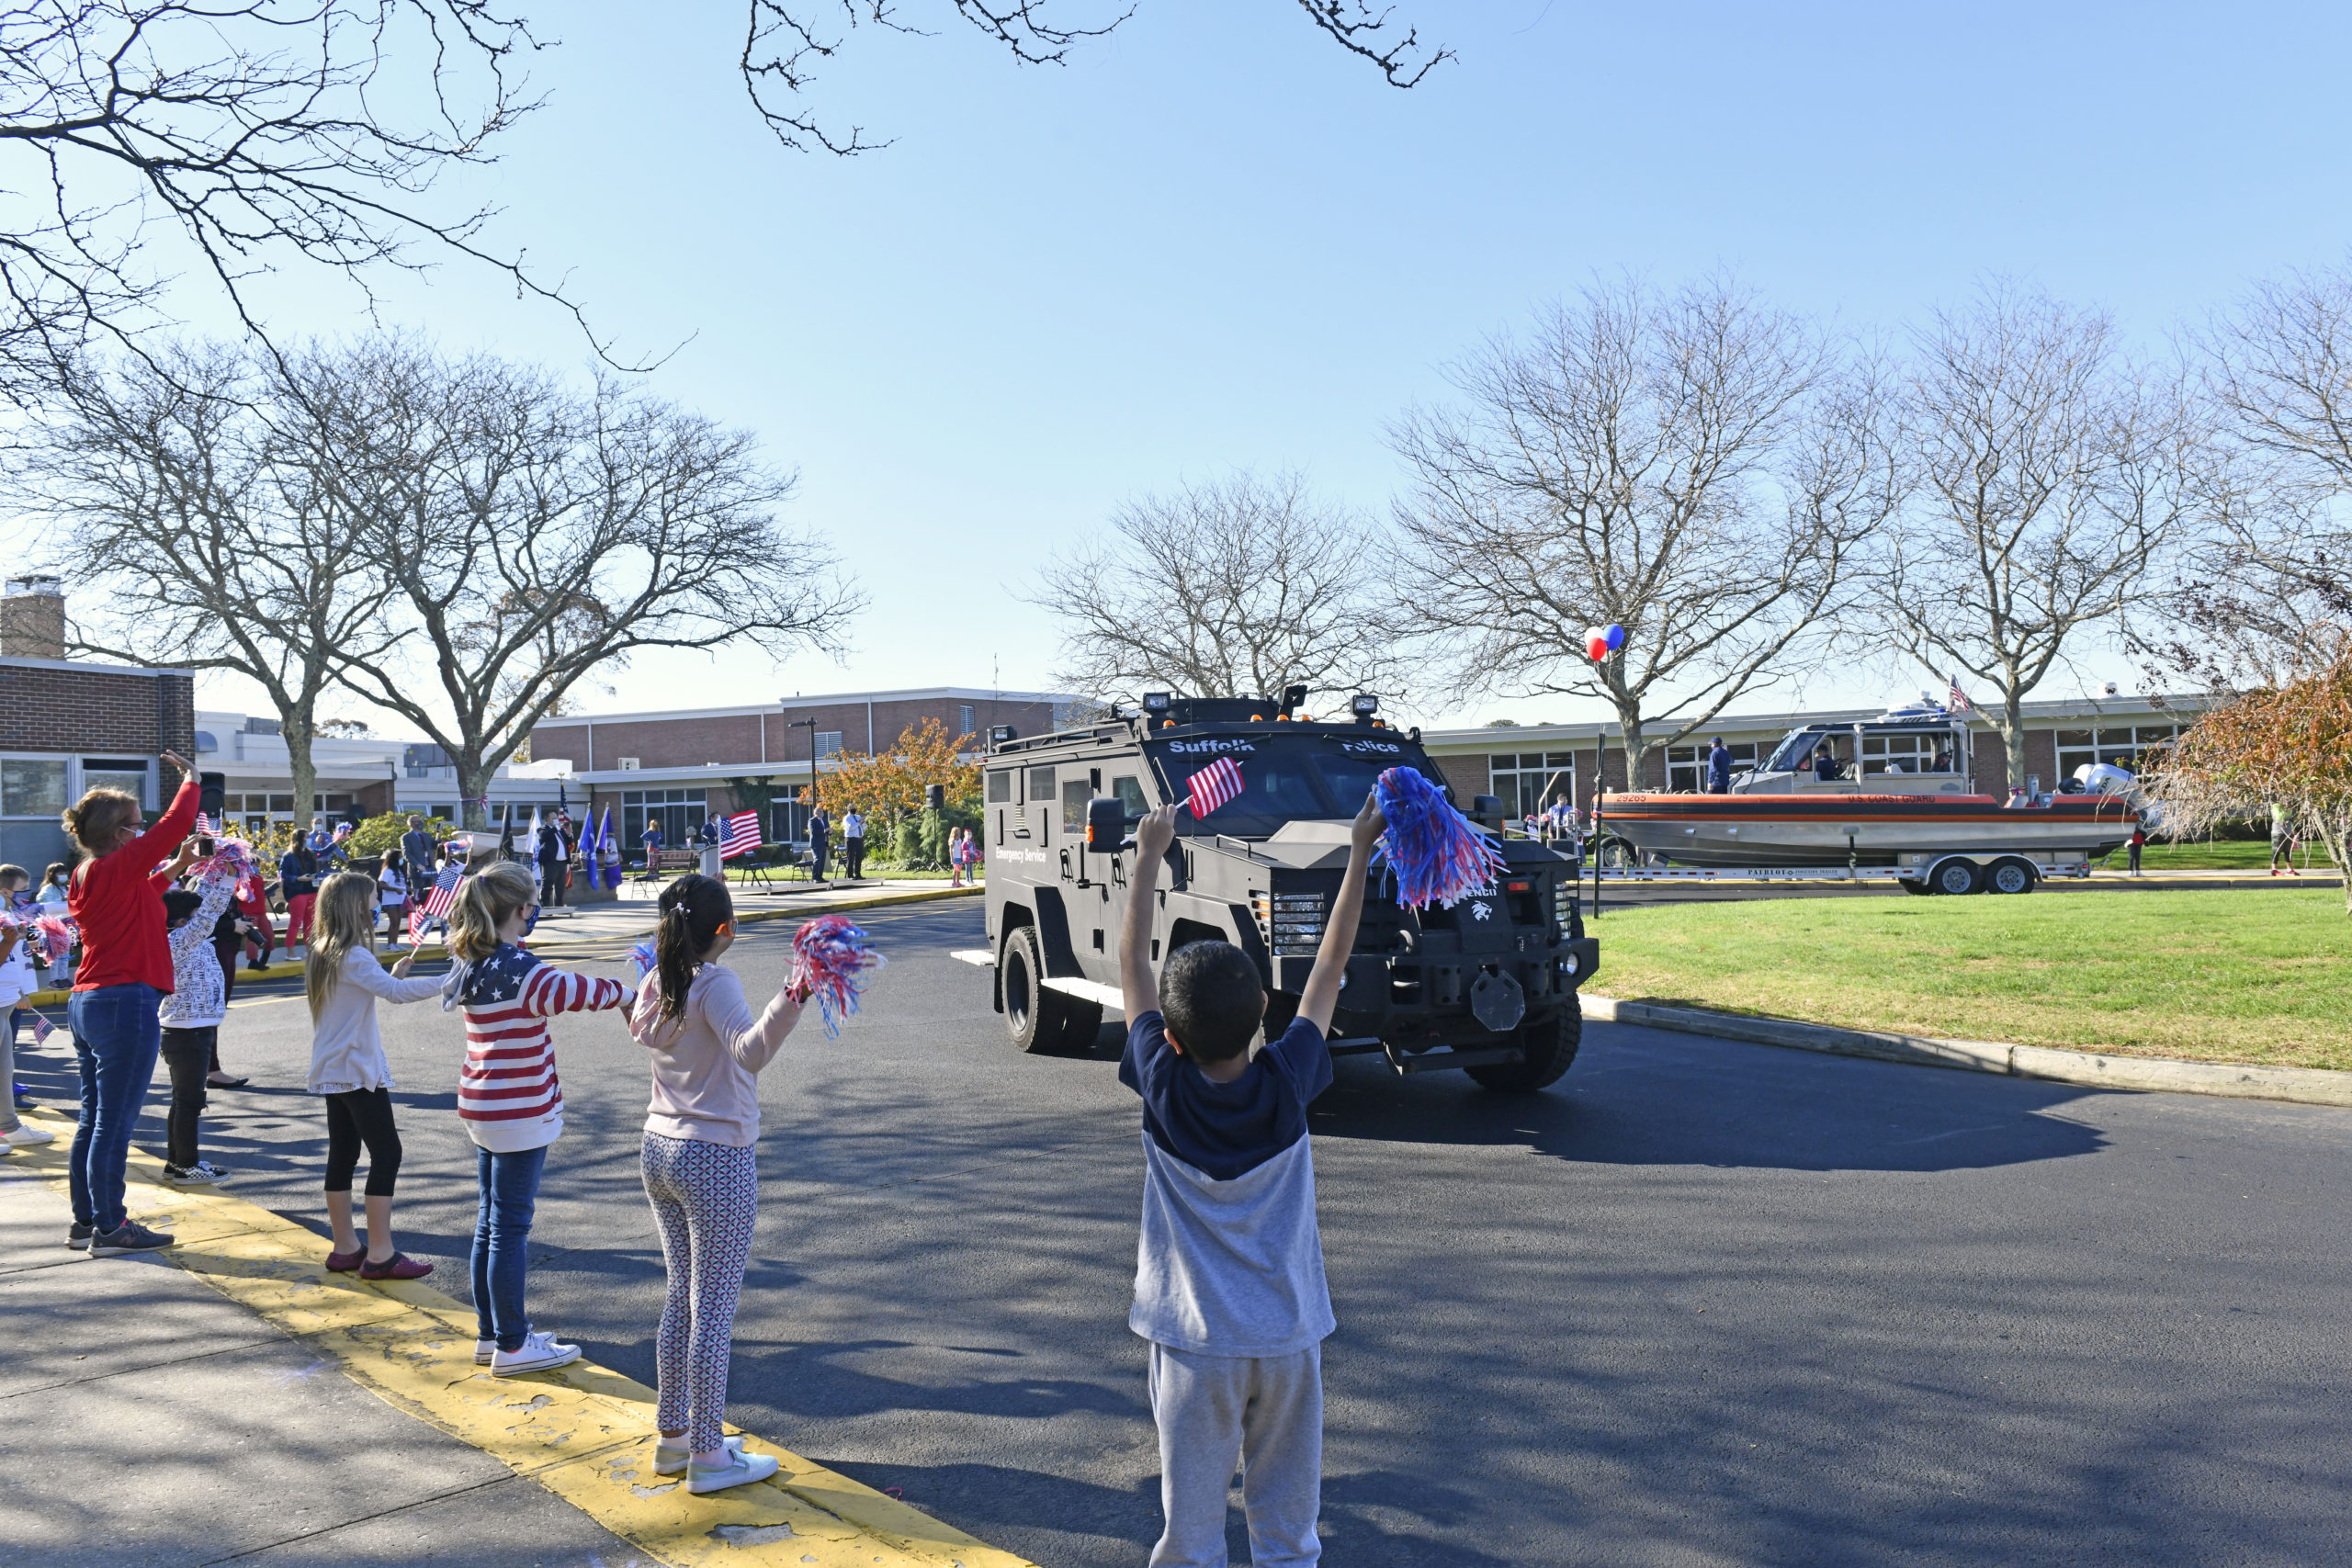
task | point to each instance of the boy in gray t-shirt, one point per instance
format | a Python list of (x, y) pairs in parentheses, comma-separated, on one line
[(1229, 1287)]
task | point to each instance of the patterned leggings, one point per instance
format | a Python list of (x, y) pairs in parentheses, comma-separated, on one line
[(706, 1197)]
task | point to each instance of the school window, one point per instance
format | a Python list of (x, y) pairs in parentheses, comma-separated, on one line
[(1526, 781), (828, 742), (964, 722), (679, 812), (32, 786), (2125, 746), (1686, 766), (127, 774)]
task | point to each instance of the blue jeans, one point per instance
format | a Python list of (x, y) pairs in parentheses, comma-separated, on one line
[(115, 1036), (510, 1191)]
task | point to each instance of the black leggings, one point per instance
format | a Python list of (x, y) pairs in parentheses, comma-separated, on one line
[(188, 1053), (362, 1116)]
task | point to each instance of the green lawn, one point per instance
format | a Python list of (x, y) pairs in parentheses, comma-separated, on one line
[(2221, 854), (2255, 974)]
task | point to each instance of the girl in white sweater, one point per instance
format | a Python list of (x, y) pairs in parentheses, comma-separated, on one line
[(347, 1066), (699, 1172)]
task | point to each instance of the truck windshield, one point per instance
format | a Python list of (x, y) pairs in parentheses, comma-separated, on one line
[(1284, 778)]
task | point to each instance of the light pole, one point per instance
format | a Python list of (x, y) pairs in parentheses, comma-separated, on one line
[(810, 723)]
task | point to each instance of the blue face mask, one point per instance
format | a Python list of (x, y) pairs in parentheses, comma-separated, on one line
[(530, 920)]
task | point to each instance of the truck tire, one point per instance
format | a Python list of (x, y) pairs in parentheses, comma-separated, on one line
[(1549, 1047), (1956, 876), (1915, 885), (1042, 1023), (2009, 877)]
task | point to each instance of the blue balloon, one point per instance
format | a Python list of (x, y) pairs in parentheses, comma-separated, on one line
[(1616, 636)]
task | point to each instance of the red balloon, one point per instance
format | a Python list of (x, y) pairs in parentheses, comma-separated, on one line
[(1595, 647)]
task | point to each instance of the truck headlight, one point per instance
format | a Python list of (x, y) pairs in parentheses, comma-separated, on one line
[(1568, 965)]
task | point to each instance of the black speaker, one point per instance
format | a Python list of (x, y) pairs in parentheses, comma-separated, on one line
[(935, 797), (209, 793)]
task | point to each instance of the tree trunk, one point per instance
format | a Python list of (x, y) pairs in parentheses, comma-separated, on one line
[(2011, 724), (473, 785), (1637, 749), (2336, 832), (294, 728)]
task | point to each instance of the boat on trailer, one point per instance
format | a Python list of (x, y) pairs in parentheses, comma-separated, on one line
[(1903, 795)]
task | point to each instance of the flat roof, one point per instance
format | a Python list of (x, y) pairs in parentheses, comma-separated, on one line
[(1514, 735), (822, 700)]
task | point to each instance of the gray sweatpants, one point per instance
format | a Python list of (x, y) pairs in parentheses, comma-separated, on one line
[(1268, 1413)]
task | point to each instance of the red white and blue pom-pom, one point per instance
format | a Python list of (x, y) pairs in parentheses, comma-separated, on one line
[(1438, 856), (835, 955), (48, 937), (233, 855), (642, 956)]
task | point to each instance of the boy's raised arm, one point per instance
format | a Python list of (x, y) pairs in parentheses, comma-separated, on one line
[(1137, 990), (1321, 997)]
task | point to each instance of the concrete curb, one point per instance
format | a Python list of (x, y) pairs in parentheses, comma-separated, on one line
[(557, 942), (2304, 1085)]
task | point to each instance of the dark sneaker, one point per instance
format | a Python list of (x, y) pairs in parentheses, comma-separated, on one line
[(399, 1265), (78, 1236), (127, 1237), (203, 1173)]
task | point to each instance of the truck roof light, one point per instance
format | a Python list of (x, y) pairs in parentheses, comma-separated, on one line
[(1155, 701), (1363, 702)]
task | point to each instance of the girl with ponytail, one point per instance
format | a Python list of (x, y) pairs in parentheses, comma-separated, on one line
[(700, 1176)]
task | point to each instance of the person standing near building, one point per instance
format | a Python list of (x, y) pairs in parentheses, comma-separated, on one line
[(854, 842), (298, 884), (553, 857), (652, 839), (1718, 768), (416, 855), (820, 833)]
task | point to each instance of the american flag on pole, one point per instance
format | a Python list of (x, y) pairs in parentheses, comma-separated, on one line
[(1960, 702), (203, 826), (740, 835), (439, 900), (1213, 786)]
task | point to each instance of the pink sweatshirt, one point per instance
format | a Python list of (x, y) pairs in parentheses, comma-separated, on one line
[(705, 1064)]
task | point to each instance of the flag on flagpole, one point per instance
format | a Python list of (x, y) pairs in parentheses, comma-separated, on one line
[(740, 834), (438, 902), (1213, 786), (614, 867), (203, 826), (531, 837), (1960, 702), (589, 844), (43, 1029)]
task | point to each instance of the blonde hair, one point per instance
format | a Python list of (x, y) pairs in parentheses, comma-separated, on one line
[(94, 818), (491, 898), (343, 921)]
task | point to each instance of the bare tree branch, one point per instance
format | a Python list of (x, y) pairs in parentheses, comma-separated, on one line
[(785, 40), (2049, 475), (1232, 589), (1697, 466)]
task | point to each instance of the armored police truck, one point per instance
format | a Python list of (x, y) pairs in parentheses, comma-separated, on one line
[(1488, 985)]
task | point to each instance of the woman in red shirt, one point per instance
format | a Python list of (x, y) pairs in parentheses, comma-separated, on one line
[(125, 972)]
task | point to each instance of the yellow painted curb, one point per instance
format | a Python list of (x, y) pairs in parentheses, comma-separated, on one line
[(584, 1432)]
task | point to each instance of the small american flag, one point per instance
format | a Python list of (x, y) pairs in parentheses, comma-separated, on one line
[(1213, 786), (203, 826), (740, 835), (43, 1029), (439, 901), (1960, 702)]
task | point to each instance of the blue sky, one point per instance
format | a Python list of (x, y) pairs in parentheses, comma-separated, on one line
[(1215, 240)]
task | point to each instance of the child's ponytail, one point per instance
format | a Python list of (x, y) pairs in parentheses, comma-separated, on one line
[(693, 907)]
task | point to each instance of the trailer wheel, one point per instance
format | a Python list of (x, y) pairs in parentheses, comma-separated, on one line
[(1955, 876), (1918, 884), (1042, 1023), (1548, 1047), (2009, 877)]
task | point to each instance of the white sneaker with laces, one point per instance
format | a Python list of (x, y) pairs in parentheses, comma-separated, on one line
[(484, 1350), (668, 1460), (740, 1469), (26, 1136), (537, 1353)]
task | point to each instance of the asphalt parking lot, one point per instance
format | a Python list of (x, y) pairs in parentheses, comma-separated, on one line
[(1700, 1303)]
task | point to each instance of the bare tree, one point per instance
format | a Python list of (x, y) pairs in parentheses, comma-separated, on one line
[(192, 518), (532, 535), (2263, 594), (1696, 467), (141, 137), (1236, 588), (2050, 473), (785, 40)]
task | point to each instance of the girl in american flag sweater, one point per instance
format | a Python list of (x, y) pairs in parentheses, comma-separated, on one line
[(509, 1101)]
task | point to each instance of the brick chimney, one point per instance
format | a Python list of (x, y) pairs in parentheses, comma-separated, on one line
[(32, 618)]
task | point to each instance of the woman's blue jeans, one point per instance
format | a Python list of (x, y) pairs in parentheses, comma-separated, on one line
[(115, 1036), (510, 1192)]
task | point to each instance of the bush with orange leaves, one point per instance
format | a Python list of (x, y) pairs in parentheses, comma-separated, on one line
[(893, 784), (2290, 745)]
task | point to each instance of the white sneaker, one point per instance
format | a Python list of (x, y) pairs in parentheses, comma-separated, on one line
[(668, 1460), (537, 1353), (26, 1136), (740, 1469), (484, 1350)]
